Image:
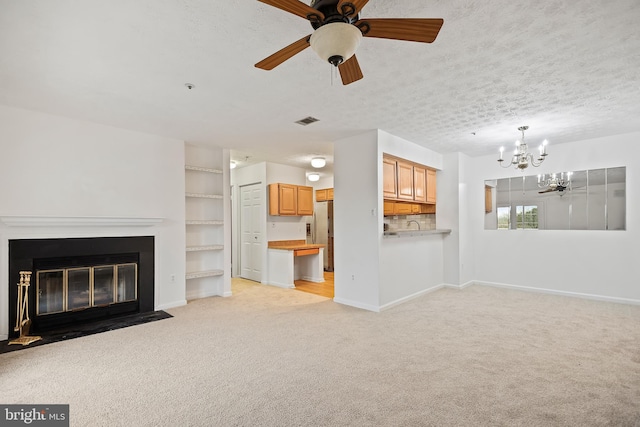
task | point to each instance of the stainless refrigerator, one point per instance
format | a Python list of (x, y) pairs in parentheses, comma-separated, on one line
[(322, 230)]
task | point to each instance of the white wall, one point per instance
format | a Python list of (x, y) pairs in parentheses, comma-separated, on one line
[(357, 232), (53, 166), (599, 264)]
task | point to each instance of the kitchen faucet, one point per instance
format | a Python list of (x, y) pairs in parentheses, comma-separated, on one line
[(413, 220)]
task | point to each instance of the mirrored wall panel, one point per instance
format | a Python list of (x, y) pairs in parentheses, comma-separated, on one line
[(592, 199)]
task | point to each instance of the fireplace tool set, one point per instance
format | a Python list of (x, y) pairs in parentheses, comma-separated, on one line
[(23, 322)]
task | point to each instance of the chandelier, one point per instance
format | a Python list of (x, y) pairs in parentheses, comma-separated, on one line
[(554, 182), (521, 157)]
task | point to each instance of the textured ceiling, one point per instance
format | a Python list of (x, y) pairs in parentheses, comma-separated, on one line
[(568, 69)]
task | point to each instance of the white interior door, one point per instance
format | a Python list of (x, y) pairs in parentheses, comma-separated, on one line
[(250, 231)]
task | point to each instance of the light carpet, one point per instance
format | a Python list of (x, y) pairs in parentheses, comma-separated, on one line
[(279, 357)]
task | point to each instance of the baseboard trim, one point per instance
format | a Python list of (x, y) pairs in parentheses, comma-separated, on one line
[(312, 279), (281, 285), (173, 304), (357, 304), (561, 293), (410, 297), (460, 287), (198, 295)]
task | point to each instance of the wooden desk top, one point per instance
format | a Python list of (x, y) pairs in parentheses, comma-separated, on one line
[(292, 245)]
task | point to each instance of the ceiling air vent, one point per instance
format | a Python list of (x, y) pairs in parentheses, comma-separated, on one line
[(307, 121)]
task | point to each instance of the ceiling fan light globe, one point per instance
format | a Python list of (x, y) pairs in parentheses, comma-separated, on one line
[(336, 40)]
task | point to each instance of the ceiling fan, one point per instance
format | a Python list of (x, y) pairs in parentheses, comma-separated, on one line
[(338, 30), (559, 188)]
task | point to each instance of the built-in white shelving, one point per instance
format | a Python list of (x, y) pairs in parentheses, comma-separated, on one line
[(205, 222), (201, 169), (204, 196), (204, 208), (204, 273), (205, 248)]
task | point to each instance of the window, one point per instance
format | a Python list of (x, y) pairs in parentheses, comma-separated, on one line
[(504, 214), (527, 217)]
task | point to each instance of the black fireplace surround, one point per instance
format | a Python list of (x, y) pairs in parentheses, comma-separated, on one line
[(39, 254)]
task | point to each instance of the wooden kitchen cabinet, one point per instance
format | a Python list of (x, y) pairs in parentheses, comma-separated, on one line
[(324, 195), (291, 200), (408, 187), (305, 200), (420, 184), (283, 199), (389, 207), (405, 180), (431, 186), (389, 178)]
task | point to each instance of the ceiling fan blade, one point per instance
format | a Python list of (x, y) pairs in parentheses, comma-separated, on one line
[(548, 190), (271, 62), (350, 71), (296, 7), (357, 4), (414, 30)]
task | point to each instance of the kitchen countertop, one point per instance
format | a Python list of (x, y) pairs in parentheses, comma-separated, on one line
[(415, 233)]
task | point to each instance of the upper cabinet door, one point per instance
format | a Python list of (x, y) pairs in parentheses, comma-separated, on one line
[(420, 184), (389, 178), (431, 186), (288, 199), (305, 200), (405, 180), (321, 195)]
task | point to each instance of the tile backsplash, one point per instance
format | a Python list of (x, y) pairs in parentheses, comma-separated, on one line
[(402, 222)]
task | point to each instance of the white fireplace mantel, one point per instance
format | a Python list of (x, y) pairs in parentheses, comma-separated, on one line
[(77, 221)]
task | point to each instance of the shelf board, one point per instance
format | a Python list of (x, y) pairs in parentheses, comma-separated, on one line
[(204, 196), (201, 169), (205, 273), (205, 222), (204, 248)]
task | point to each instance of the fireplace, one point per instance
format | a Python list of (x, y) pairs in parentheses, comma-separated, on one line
[(77, 281)]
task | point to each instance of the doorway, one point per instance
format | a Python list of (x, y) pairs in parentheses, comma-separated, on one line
[(251, 236)]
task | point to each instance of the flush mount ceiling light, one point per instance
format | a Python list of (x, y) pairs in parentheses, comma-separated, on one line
[(232, 164), (313, 177), (318, 162), (521, 157)]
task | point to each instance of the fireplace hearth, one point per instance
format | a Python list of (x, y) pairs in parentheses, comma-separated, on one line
[(77, 281)]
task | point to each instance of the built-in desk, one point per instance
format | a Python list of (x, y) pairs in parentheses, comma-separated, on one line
[(290, 260)]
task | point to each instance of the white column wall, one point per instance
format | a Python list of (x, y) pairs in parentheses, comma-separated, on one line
[(54, 166), (598, 264), (447, 216), (357, 231)]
